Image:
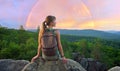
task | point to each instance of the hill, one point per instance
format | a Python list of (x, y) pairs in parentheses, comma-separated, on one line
[(90, 33), (114, 32)]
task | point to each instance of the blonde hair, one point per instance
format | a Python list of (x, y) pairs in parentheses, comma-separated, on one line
[(44, 25)]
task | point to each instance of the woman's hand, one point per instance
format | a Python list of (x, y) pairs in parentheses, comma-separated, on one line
[(64, 60), (34, 58)]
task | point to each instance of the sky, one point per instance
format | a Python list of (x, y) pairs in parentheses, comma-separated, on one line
[(70, 14)]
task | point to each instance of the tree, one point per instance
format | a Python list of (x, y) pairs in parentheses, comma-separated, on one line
[(38, 28), (96, 50), (21, 27)]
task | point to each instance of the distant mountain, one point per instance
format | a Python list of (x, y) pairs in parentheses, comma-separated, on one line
[(115, 32), (32, 30), (90, 33)]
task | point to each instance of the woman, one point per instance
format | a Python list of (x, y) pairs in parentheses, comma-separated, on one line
[(49, 23)]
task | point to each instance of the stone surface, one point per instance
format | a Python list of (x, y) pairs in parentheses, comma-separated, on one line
[(116, 68), (89, 64), (12, 65), (41, 65)]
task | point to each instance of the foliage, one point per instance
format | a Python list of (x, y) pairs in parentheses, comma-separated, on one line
[(22, 44)]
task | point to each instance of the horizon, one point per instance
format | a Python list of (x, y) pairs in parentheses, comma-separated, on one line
[(65, 29), (81, 14)]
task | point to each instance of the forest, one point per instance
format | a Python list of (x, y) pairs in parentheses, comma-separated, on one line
[(21, 44)]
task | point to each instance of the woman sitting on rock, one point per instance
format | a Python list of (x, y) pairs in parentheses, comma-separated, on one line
[(49, 41)]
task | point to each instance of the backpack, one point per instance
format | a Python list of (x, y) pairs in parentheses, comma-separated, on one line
[(49, 42)]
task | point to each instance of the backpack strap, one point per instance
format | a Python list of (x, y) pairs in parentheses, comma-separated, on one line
[(51, 30)]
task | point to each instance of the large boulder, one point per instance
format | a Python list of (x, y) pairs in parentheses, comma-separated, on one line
[(89, 64), (12, 65), (41, 65), (116, 68)]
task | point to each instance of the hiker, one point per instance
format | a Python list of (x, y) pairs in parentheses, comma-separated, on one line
[(49, 41)]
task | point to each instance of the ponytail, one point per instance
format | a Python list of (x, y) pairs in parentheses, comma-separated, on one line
[(44, 25), (42, 29)]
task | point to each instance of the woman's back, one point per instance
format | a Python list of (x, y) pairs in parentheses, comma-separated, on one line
[(49, 45)]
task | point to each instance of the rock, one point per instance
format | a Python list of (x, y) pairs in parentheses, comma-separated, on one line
[(89, 64), (92, 65), (116, 68), (12, 65), (41, 65)]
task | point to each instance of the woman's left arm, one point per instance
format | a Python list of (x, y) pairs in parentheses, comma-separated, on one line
[(59, 43)]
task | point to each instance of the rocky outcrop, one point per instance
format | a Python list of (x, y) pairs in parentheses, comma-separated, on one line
[(89, 64), (41, 65), (12, 65), (116, 68)]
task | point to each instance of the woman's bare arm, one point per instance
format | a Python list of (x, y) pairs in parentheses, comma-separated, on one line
[(38, 50), (59, 43), (39, 45)]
